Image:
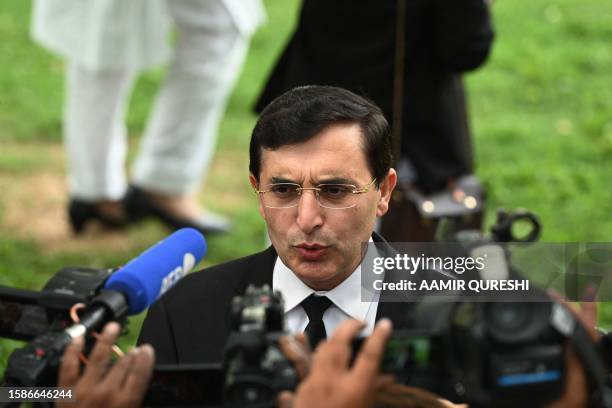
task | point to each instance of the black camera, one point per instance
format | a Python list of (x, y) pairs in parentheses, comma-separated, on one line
[(253, 371), (485, 354), (26, 314), (491, 352), (47, 320), (255, 368)]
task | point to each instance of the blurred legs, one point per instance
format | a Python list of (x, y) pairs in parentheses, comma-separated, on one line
[(94, 132), (180, 137)]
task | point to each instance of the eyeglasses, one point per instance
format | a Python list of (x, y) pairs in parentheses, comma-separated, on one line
[(332, 196)]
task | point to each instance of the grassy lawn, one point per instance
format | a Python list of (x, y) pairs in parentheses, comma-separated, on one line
[(541, 117)]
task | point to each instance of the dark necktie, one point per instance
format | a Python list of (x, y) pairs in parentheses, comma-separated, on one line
[(315, 306)]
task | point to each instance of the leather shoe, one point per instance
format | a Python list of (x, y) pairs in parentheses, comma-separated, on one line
[(139, 205), (80, 213)]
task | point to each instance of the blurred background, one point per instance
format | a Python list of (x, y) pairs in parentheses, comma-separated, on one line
[(541, 115)]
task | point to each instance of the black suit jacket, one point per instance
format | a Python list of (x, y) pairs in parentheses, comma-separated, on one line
[(190, 323), (351, 44)]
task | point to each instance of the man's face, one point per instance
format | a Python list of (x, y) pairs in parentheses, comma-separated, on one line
[(322, 246)]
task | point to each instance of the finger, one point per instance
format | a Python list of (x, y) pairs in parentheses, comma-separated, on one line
[(296, 354), (283, 344), (383, 380), (347, 331), (118, 374), (101, 354), (589, 314), (448, 404), (70, 367), (330, 357), (590, 294), (140, 374), (557, 296), (284, 399), (367, 362), (305, 356), (335, 353), (575, 392), (302, 340)]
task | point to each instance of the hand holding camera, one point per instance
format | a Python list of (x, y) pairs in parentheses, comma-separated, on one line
[(122, 385), (332, 382)]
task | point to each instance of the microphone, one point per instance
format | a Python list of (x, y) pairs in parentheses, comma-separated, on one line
[(144, 279), (130, 290), (137, 285)]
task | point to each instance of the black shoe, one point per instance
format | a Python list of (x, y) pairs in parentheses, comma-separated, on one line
[(139, 205), (81, 212)]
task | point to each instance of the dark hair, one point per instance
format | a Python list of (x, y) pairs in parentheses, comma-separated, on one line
[(301, 113)]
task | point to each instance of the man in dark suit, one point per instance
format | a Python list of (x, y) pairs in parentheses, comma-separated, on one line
[(320, 160)]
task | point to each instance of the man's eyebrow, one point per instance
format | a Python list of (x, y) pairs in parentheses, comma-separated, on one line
[(327, 180), (336, 180), (276, 180)]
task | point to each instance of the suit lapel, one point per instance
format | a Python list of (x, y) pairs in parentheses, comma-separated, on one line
[(401, 314), (261, 269)]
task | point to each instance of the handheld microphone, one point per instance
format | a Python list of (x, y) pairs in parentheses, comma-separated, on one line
[(130, 290), (135, 286), (144, 279)]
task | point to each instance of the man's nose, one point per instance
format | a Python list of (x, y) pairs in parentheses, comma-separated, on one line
[(309, 215)]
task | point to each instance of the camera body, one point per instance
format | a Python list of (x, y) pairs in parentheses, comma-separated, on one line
[(46, 320), (255, 368), (485, 353), (25, 314)]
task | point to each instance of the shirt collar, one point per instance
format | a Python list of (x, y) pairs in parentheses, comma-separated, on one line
[(346, 296)]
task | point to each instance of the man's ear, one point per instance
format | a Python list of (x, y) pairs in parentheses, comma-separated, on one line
[(386, 189), (255, 186)]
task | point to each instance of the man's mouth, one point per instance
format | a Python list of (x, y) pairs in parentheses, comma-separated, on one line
[(311, 252)]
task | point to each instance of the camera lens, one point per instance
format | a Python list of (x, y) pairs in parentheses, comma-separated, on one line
[(508, 316), (514, 322)]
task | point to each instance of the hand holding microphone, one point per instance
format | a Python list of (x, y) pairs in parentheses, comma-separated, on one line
[(130, 290)]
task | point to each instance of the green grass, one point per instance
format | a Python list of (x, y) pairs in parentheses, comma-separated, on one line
[(541, 116)]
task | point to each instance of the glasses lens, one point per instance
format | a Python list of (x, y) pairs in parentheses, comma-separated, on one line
[(337, 195), (281, 195)]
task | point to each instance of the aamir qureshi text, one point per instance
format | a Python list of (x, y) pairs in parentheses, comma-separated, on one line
[(474, 285)]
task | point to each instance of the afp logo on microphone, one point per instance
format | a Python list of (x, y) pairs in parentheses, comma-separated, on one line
[(178, 273)]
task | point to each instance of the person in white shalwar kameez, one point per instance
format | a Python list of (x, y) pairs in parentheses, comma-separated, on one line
[(106, 43)]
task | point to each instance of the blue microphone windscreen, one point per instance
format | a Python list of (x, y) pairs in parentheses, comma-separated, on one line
[(146, 278)]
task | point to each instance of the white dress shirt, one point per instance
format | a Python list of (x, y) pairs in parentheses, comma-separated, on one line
[(346, 300)]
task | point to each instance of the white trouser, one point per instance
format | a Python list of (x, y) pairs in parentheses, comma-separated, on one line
[(180, 136)]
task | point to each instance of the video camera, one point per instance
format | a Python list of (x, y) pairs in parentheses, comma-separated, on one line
[(253, 371), (494, 353), (484, 354), (26, 314), (77, 301), (45, 319)]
